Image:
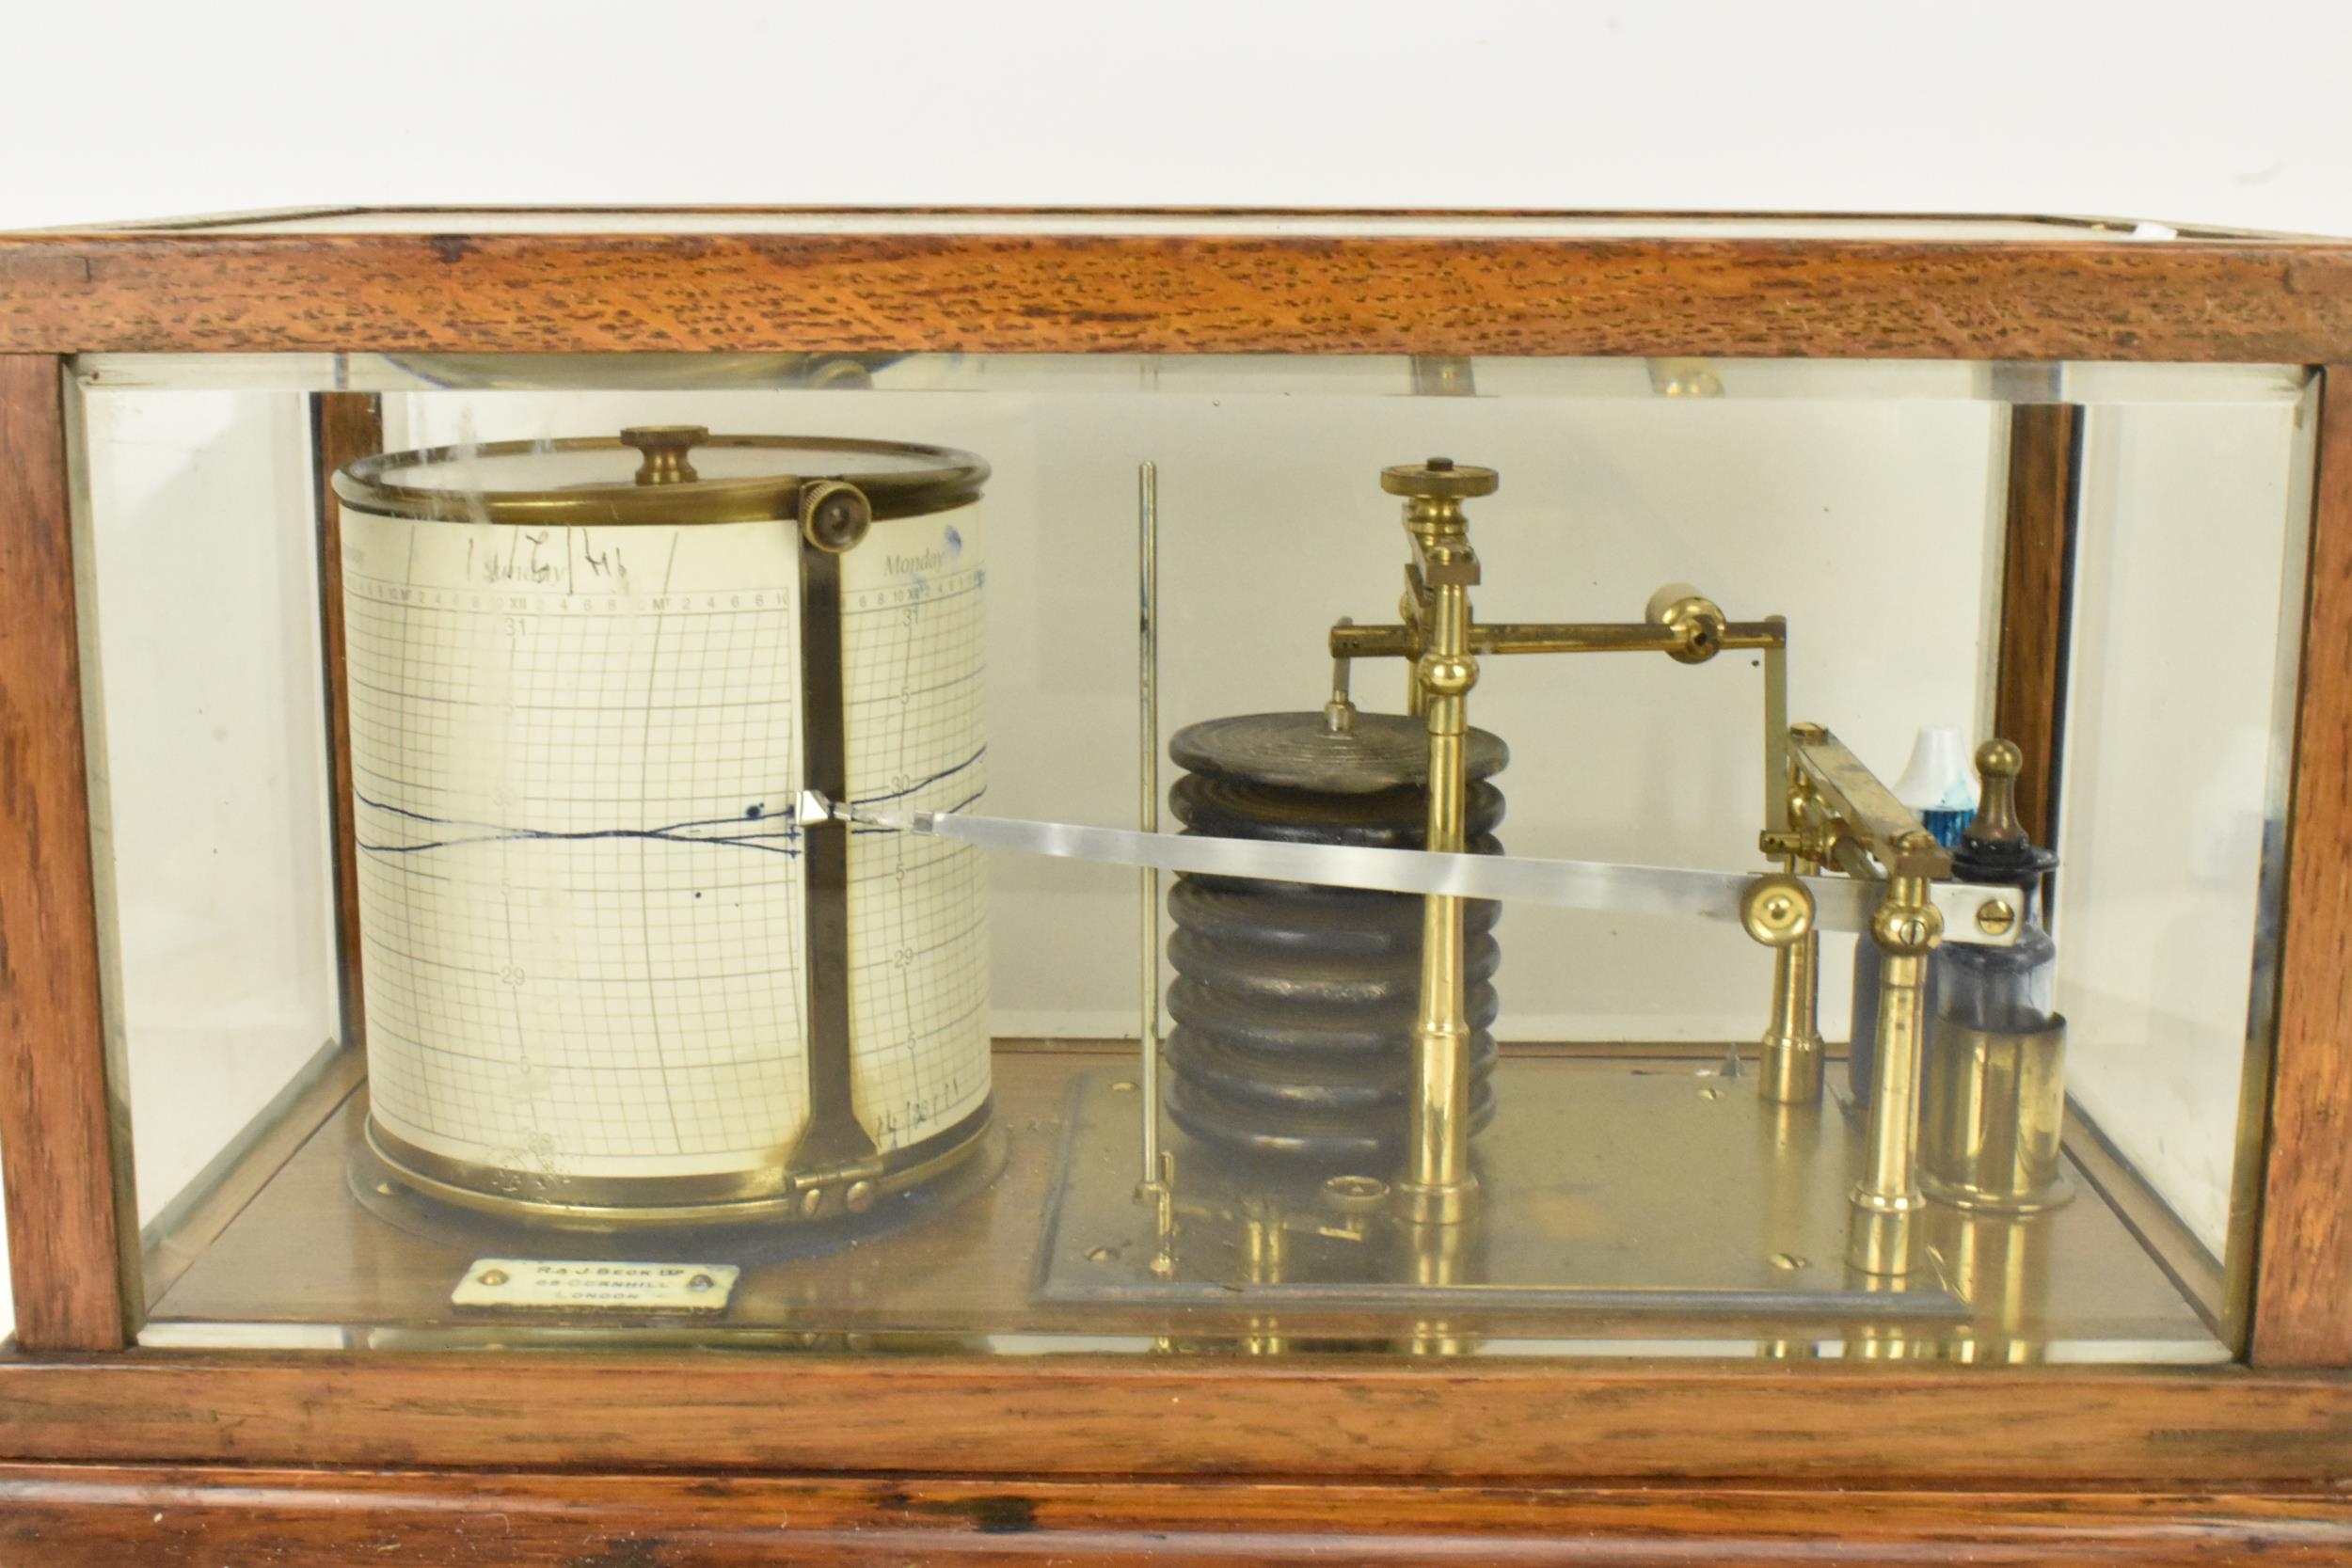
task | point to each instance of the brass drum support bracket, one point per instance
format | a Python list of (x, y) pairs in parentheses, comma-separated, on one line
[(833, 517)]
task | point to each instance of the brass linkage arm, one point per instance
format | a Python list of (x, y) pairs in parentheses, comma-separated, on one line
[(1560, 637), (1679, 621), (1866, 815)]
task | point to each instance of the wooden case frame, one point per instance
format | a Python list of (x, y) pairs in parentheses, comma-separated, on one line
[(1214, 1459)]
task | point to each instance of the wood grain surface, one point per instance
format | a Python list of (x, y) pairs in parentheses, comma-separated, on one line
[(1332, 1417), (113, 1518), (56, 1132), (223, 290), (2303, 1264), (2029, 700)]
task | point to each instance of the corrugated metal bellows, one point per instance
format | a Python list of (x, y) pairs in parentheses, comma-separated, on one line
[(1295, 1004)]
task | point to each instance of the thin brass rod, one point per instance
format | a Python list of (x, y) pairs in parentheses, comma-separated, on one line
[(1776, 776), (1339, 711), (1147, 713), (1440, 1133)]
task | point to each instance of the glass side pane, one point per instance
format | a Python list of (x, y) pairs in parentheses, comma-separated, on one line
[(763, 944), (215, 840), (2185, 622)]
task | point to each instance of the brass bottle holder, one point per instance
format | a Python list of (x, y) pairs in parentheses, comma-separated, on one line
[(1997, 1117), (1997, 1101)]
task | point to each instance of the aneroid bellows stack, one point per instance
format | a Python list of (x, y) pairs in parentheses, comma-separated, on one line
[(1295, 1004)]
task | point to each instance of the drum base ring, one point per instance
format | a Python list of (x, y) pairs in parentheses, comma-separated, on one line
[(385, 1170)]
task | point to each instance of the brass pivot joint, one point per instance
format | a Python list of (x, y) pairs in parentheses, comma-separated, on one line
[(1696, 620), (1777, 910)]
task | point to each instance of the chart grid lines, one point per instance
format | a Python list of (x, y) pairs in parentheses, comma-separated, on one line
[(580, 886)]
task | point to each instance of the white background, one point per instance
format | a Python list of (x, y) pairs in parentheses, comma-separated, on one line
[(2159, 109)]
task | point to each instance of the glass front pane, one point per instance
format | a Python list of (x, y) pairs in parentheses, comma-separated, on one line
[(713, 935)]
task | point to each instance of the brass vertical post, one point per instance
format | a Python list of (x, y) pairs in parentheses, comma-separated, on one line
[(1887, 1200), (1438, 1186), (1791, 1064)]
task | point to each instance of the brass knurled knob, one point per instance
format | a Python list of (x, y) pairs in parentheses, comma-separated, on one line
[(1438, 478), (665, 446), (835, 514)]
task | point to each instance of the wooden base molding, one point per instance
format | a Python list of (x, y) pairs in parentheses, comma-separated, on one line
[(66, 1517), (1342, 1418)]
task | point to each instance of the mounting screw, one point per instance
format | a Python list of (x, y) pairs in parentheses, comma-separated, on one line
[(1996, 917), (1354, 1191)]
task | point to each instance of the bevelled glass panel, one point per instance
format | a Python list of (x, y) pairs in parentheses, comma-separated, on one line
[(1192, 854)]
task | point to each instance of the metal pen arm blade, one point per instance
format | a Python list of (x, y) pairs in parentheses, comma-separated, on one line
[(1840, 903)]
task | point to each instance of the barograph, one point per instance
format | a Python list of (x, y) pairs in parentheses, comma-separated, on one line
[(1396, 852)]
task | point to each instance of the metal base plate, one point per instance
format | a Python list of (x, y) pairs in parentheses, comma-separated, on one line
[(1613, 1192), (1626, 1213)]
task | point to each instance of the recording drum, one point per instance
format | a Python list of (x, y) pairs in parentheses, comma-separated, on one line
[(618, 964)]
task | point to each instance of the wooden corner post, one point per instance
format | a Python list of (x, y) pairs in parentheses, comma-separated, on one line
[(2302, 1309), (2037, 581), (57, 1131)]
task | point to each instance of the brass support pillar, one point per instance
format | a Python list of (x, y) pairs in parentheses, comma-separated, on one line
[(1790, 1068), (1440, 1255), (1887, 1200), (1438, 1186), (1789, 1065), (1265, 1249)]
